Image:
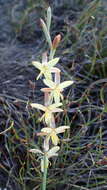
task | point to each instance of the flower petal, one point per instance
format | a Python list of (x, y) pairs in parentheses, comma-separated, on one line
[(38, 106), (48, 75), (48, 113), (47, 129), (65, 84), (55, 139), (57, 97), (42, 118), (61, 129), (55, 69), (49, 83), (53, 106), (53, 62), (40, 74), (53, 151), (57, 110), (37, 65), (36, 151)]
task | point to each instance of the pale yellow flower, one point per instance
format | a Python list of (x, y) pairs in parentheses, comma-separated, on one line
[(45, 67), (50, 153), (56, 89), (52, 133), (49, 110)]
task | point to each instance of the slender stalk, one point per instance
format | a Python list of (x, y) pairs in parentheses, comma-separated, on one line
[(44, 179), (57, 77), (44, 174), (46, 98), (52, 53)]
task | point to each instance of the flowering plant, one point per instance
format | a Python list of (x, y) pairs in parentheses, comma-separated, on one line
[(52, 97)]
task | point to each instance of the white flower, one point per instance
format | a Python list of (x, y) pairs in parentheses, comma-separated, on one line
[(52, 133), (49, 110), (45, 68), (46, 155), (56, 89)]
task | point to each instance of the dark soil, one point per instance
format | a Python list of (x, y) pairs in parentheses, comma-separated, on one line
[(17, 75)]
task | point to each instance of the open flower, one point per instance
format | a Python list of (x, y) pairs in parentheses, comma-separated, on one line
[(49, 110), (52, 152), (52, 133), (45, 67), (56, 89)]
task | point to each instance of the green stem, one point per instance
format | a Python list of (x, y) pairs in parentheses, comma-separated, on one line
[(52, 53), (44, 174)]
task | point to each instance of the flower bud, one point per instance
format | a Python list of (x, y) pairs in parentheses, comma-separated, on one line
[(56, 41)]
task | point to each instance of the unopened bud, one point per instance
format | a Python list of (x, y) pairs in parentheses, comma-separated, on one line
[(56, 41)]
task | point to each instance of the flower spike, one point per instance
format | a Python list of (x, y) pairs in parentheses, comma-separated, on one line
[(52, 97)]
